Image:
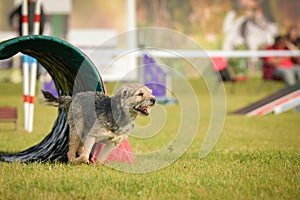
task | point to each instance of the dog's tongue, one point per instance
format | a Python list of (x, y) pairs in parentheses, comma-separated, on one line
[(146, 109)]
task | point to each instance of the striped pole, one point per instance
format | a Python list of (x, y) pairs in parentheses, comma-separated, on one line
[(26, 89), (37, 17), (34, 65), (25, 65), (24, 17)]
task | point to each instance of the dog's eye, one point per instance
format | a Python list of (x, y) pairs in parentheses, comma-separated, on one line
[(140, 94)]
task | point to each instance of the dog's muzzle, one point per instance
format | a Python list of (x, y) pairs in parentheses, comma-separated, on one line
[(153, 100), (144, 110)]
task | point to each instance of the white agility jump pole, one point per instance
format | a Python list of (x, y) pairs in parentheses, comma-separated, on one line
[(25, 64), (29, 63), (34, 66)]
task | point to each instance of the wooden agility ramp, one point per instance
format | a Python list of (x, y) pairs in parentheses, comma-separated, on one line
[(277, 102)]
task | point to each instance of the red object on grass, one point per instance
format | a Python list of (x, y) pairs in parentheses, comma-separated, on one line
[(122, 154)]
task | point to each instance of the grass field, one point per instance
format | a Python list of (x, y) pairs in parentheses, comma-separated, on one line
[(255, 158)]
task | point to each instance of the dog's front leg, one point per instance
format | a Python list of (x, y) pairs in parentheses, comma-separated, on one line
[(106, 151), (88, 145), (110, 147)]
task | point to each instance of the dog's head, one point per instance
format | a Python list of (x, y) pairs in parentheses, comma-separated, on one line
[(136, 99)]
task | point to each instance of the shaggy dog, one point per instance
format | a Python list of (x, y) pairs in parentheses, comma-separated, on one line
[(95, 117)]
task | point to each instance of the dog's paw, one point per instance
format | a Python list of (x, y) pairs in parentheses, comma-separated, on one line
[(100, 164), (71, 158), (76, 162), (119, 139), (70, 161), (81, 160)]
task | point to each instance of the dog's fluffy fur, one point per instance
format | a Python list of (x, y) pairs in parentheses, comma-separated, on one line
[(95, 117)]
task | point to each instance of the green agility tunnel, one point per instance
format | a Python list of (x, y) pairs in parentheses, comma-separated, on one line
[(72, 72)]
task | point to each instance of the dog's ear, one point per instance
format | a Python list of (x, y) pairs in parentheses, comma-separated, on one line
[(124, 92)]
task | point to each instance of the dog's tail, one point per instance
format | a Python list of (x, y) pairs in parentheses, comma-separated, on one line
[(61, 102)]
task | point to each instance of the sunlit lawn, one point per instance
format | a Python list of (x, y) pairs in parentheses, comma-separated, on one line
[(255, 158)]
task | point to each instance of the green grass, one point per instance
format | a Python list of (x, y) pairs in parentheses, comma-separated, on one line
[(255, 158)]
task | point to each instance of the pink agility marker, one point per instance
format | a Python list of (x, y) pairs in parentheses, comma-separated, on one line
[(122, 154), (34, 65)]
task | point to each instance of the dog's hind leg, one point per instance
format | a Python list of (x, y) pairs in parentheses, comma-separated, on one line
[(76, 125), (80, 148), (73, 144)]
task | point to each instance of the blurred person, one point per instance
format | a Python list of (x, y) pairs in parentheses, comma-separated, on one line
[(16, 15), (293, 35), (285, 68), (244, 23), (293, 41)]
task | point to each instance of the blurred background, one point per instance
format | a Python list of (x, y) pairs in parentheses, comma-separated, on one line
[(201, 19), (214, 24)]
